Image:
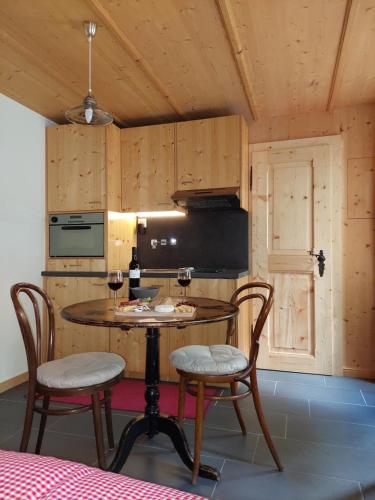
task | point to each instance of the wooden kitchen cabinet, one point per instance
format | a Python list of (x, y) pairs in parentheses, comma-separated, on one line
[(72, 338), (83, 168), (131, 345), (148, 168), (213, 153), (73, 264)]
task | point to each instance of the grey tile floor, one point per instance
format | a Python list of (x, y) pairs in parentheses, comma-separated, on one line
[(323, 428)]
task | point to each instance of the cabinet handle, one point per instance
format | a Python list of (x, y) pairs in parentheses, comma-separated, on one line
[(186, 182), (74, 265), (94, 202)]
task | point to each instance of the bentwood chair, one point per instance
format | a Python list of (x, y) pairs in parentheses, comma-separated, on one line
[(217, 364), (87, 373)]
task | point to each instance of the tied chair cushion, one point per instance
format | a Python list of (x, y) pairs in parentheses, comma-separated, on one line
[(209, 359), (80, 370)]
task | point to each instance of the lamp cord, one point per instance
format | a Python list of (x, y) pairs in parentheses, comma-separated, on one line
[(90, 64)]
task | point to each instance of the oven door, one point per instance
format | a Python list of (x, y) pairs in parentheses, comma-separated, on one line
[(79, 240)]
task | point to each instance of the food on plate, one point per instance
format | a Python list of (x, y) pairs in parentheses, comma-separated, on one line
[(125, 309), (184, 308), (129, 303), (186, 303), (164, 308)]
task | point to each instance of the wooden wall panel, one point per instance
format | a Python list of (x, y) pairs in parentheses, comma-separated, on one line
[(357, 126), (359, 347), (361, 188)]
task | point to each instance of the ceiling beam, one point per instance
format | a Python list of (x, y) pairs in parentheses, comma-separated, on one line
[(228, 20), (104, 16), (342, 49)]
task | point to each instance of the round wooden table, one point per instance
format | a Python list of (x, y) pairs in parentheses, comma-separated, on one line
[(100, 313)]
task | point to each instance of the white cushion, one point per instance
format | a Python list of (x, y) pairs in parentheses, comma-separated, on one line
[(209, 360), (80, 370)]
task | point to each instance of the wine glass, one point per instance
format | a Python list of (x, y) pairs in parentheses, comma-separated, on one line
[(115, 282), (184, 277)]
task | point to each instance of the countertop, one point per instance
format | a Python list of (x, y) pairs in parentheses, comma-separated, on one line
[(158, 273)]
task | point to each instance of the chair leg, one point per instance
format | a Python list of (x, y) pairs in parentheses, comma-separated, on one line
[(181, 400), (108, 418), (262, 420), (96, 411), (198, 430), (42, 425), (28, 419), (233, 390)]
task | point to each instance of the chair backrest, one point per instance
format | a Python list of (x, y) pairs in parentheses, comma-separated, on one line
[(265, 307), (34, 346)]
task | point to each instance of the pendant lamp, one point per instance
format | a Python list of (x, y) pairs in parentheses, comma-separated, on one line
[(88, 113)]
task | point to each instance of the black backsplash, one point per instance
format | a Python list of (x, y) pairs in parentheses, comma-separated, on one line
[(204, 240)]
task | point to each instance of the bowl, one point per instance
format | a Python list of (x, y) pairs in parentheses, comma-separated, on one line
[(145, 292)]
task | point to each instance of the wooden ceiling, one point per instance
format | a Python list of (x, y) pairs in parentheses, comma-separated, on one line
[(167, 60)]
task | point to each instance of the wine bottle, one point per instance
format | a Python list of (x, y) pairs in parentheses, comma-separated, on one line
[(134, 273)]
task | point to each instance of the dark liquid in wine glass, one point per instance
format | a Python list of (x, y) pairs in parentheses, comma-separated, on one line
[(114, 286), (184, 282)]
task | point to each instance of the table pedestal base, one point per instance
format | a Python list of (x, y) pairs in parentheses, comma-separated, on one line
[(152, 425), (151, 422)]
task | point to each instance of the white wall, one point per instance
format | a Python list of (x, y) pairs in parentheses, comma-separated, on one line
[(22, 159)]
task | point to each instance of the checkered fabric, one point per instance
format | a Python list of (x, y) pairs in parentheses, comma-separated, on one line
[(24, 476)]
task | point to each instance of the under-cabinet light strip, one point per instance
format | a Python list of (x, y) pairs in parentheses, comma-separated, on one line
[(132, 215)]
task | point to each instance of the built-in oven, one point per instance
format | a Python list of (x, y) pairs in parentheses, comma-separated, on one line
[(76, 235)]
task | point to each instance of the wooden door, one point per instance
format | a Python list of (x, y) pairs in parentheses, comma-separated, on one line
[(209, 153), (147, 161), (292, 215), (76, 177), (72, 338), (131, 345)]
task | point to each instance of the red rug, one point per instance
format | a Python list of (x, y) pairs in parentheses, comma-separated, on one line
[(129, 395)]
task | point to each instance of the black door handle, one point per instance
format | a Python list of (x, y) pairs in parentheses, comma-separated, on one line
[(321, 259)]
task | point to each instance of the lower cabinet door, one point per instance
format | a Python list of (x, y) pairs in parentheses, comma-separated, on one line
[(72, 338), (214, 333), (131, 344)]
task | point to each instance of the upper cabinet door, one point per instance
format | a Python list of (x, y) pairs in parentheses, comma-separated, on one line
[(148, 160), (76, 168), (209, 153)]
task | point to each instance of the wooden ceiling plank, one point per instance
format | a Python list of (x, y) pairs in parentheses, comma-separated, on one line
[(228, 20), (338, 71), (355, 75), (137, 57)]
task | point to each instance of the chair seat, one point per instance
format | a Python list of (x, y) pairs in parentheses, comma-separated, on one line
[(80, 370), (209, 360)]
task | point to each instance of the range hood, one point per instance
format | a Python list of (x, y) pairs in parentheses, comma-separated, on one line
[(208, 199)]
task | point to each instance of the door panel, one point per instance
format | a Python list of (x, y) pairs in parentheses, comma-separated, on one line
[(292, 195), (292, 314), (292, 215)]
